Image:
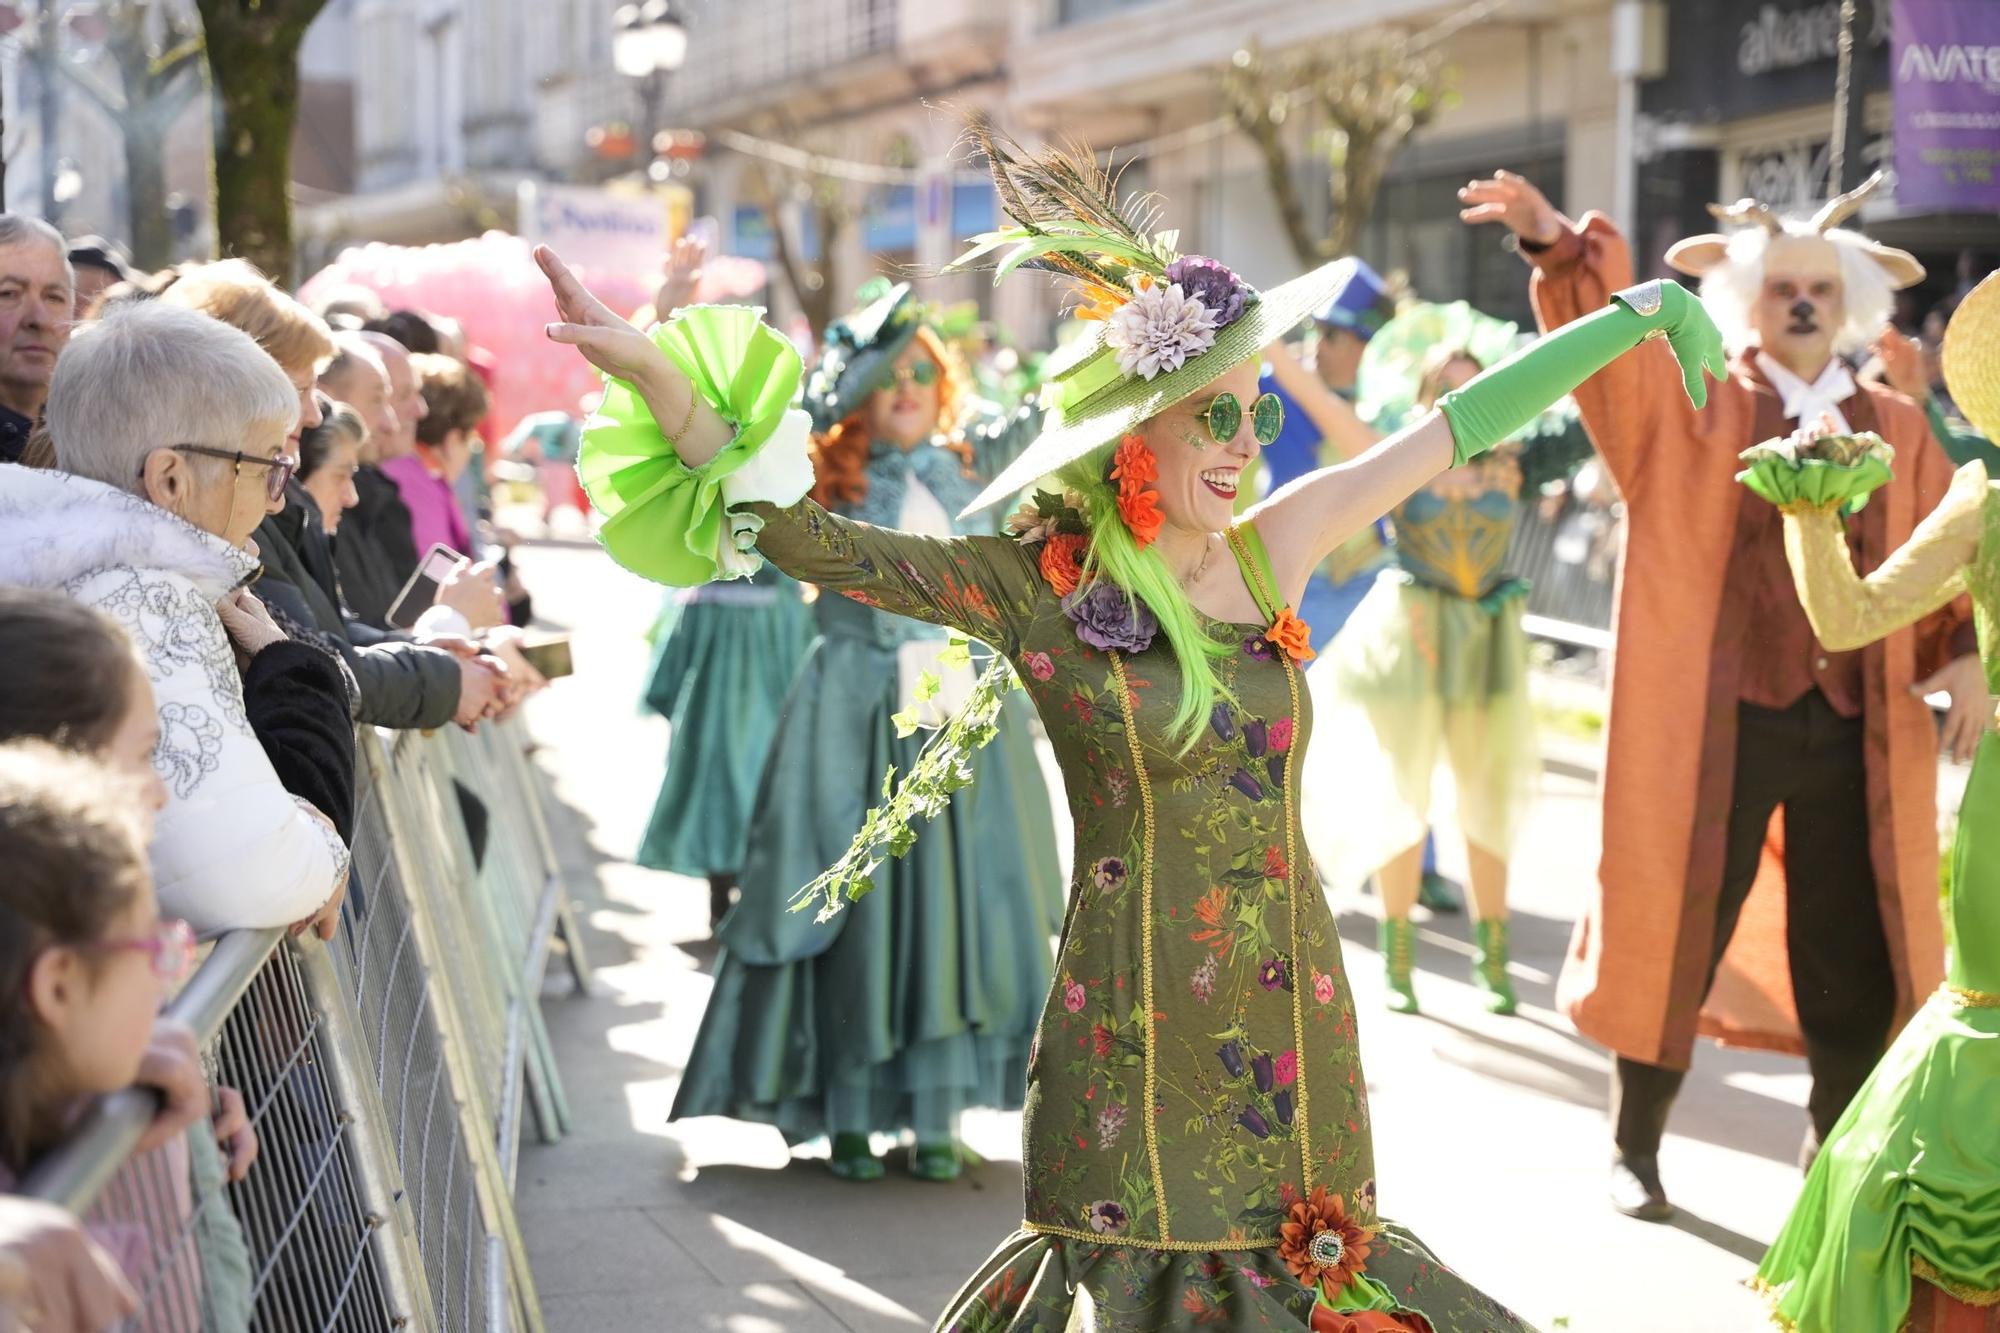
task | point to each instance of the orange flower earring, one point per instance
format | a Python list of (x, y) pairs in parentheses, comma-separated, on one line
[(1135, 470)]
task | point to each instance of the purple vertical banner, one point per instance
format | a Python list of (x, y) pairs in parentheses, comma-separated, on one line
[(1945, 62)]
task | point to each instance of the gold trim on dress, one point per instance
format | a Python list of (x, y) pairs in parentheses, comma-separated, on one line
[(1966, 997), (1269, 597), (1771, 1295), (1150, 1123), (1977, 1297), (1137, 1243)]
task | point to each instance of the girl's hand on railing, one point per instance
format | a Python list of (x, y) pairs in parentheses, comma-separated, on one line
[(172, 1064), (234, 1133)]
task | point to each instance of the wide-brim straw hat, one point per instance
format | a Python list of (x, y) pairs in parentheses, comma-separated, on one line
[(1088, 403), (1971, 357)]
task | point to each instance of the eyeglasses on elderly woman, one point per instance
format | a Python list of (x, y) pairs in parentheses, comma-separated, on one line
[(282, 467)]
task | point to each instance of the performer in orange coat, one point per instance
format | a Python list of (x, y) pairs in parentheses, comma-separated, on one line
[(1769, 873)]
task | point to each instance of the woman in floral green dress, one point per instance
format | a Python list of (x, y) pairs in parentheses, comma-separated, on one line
[(1196, 1138)]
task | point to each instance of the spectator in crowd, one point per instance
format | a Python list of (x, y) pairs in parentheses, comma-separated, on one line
[(358, 377), (173, 429), (37, 305), (382, 515), (76, 682), (401, 683), (454, 401), (89, 959), (411, 329), (98, 266), (329, 456), (547, 441)]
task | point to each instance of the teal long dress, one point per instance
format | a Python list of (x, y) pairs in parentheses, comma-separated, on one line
[(719, 676), (1908, 1184), (933, 983)]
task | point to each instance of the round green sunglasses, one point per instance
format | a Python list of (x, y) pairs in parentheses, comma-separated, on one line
[(1224, 415), (923, 374)]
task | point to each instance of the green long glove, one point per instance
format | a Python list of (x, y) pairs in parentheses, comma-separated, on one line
[(1493, 406)]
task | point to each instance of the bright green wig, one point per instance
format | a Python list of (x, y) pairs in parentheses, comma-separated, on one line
[(1114, 554)]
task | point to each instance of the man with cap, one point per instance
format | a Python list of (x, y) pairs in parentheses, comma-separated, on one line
[(98, 266), (1770, 864)]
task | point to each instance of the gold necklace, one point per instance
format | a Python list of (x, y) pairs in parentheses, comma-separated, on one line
[(1201, 565)]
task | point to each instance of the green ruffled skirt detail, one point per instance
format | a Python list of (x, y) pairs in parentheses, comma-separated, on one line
[(719, 678), (1911, 1174), (1042, 1283), (934, 982), (1418, 679)]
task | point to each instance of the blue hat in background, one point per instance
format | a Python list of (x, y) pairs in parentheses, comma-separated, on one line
[(1362, 306)]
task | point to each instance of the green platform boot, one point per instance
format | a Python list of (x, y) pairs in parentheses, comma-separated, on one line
[(853, 1159), (1489, 965), (1399, 952)]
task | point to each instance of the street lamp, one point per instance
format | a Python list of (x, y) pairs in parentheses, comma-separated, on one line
[(648, 43)]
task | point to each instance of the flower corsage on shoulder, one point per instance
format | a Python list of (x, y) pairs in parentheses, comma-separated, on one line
[(1816, 467), (1106, 616)]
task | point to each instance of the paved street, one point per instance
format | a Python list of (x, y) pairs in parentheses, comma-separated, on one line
[(1489, 1132)]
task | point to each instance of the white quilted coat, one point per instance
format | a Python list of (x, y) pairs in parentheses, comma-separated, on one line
[(233, 849)]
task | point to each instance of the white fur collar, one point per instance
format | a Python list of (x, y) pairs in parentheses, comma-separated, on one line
[(55, 527)]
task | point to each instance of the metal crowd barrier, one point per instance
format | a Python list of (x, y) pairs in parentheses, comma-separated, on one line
[(385, 1073)]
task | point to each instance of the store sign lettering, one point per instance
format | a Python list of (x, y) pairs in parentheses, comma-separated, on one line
[(1780, 39), (1950, 64)]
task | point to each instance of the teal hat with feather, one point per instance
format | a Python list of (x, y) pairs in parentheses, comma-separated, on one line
[(859, 351)]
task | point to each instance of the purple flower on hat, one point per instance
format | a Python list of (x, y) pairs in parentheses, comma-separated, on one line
[(1109, 618), (1213, 284)]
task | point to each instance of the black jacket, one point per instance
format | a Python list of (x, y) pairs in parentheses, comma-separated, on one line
[(375, 552), (295, 696), (402, 684)]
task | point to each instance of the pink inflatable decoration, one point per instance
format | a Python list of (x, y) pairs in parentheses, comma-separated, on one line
[(493, 287)]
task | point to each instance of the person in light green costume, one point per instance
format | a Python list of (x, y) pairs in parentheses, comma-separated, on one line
[(1196, 1137), (1906, 1189)]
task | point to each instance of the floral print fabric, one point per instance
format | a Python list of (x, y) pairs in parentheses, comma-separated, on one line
[(1196, 1073)]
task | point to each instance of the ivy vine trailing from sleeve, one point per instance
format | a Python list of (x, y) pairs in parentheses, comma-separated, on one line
[(942, 769)]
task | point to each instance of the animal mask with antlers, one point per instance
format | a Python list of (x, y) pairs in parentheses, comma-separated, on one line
[(1698, 254)]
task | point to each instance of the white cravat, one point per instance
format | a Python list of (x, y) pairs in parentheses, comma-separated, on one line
[(1804, 402)]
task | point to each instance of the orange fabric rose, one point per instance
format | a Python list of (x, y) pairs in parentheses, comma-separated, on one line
[(1141, 512), (1292, 635), (1134, 464), (1062, 561), (1321, 1244)]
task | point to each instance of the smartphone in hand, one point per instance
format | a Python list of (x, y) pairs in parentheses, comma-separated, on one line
[(420, 593)]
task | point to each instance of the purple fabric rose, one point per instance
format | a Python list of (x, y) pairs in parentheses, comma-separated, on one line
[(1213, 284), (1108, 617)]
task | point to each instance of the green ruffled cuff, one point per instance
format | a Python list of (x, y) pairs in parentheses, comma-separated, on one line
[(1834, 470), (682, 525)]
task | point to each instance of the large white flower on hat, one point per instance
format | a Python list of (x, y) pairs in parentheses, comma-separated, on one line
[(1159, 328)]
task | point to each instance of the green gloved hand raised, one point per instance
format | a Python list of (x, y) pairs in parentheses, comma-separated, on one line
[(1493, 406)]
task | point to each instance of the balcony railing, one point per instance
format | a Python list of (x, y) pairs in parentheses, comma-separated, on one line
[(747, 48)]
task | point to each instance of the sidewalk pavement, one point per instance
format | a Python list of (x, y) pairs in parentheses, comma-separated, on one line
[(1489, 1132)]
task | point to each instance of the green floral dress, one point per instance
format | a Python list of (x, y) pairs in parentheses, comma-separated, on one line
[(1196, 1083)]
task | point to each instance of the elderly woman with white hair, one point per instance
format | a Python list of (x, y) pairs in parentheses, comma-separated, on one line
[(172, 432)]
